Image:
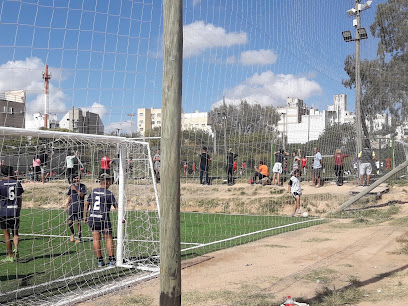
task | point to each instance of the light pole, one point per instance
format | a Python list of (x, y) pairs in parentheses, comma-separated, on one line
[(361, 33), (131, 123)]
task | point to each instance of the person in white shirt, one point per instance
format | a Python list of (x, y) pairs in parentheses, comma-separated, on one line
[(295, 189)]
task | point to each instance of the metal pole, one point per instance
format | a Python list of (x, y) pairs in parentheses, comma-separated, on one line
[(225, 125), (170, 248), (359, 145), (121, 206)]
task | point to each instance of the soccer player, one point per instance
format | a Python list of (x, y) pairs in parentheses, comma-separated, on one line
[(11, 200), (295, 189), (97, 216), (75, 206)]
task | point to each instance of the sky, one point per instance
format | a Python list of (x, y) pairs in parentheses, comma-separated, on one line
[(106, 56)]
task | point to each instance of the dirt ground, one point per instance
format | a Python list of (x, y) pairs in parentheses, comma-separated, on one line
[(342, 262)]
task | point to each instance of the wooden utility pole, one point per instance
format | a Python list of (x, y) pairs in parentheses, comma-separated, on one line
[(170, 249)]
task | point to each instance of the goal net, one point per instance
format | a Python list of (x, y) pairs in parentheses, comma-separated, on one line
[(52, 262)]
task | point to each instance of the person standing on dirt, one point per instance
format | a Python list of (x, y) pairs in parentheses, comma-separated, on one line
[(366, 156), (261, 172), (205, 160), (70, 163), (231, 156), (278, 167), (339, 166), (317, 167)]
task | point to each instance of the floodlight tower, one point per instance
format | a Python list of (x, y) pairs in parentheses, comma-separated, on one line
[(361, 33), (46, 77)]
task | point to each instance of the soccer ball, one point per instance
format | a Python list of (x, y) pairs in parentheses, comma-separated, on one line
[(305, 214)]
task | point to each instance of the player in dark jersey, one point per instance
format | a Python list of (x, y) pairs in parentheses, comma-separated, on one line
[(11, 200), (97, 216), (75, 206)]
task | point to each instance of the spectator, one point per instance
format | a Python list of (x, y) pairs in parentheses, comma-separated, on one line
[(366, 156), (243, 167), (105, 164), (43, 163), (194, 168), (115, 163), (278, 167), (304, 164), (156, 165), (231, 156), (296, 160), (235, 167), (70, 163), (317, 167), (205, 160), (185, 167), (36, 168), (260, 172), (339, 166)]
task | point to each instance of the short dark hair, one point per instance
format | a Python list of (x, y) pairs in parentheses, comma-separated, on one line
[(261, 162), (7, 171), (297, 171), (205, 148)]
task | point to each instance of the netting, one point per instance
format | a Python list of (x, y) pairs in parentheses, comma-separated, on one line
[(263, 81), (54, 258)]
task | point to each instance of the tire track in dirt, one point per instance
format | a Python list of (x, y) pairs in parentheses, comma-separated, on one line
[(374, 237)]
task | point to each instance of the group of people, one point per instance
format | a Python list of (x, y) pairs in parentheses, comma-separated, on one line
[(93, 210)]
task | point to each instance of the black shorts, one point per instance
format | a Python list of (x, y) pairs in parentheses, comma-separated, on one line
[(101, 226), (76, 215), (10, 223), (294, 194)]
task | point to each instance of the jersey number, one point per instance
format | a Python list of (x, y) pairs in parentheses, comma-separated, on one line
[(97, 204), (11, 193)]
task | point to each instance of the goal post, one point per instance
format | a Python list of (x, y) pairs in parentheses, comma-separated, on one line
[(49, 262)]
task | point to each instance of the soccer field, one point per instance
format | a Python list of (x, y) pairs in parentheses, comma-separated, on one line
[(50, 264)]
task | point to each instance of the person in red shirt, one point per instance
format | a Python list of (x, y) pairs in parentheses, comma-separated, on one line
[(194, 168), (105, 163), (235, 167), (303, 163), (339, 166)]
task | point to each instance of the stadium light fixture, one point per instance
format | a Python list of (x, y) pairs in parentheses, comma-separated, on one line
[(347, 36), (362, 33)]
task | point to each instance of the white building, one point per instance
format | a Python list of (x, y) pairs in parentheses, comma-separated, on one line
[(150, 118), (36, 121)]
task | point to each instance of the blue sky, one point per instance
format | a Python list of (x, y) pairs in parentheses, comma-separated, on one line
[(106, 56)]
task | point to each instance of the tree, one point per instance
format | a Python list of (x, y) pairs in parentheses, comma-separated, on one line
[(385, 79)]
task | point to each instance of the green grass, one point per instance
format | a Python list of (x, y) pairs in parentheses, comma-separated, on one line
[(47, 255)]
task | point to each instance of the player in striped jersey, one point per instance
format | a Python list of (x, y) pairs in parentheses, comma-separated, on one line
[(11, 200), (97, 216)]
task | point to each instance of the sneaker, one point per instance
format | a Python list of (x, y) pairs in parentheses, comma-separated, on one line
[(101, 264), (8, 259), (112, 263), (78, 241), (298, 211), (317, 186), (72, 239), (16, 255), (294, 215)]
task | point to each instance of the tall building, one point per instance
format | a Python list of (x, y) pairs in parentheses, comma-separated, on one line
[(79, 121), (12, 106)]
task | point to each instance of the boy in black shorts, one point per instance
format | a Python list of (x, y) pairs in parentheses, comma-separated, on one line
[(11, 200), (75, 206), (97, 217)]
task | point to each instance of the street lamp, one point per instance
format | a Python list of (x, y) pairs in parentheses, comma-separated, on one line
[(361, 33)]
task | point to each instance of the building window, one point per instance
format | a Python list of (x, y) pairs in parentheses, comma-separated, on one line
[(11, 110), (158, 122), (5, 109), (152, 122), (159, 115), (141, 114)]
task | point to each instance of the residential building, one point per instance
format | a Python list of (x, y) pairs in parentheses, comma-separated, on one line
[(197, 120), (79, 121), (12, 106)]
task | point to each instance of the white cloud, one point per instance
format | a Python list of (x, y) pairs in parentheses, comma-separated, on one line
[(27, 75), (268, 88), (96, 108), (124, 127), (258, 57), (199, 36)]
